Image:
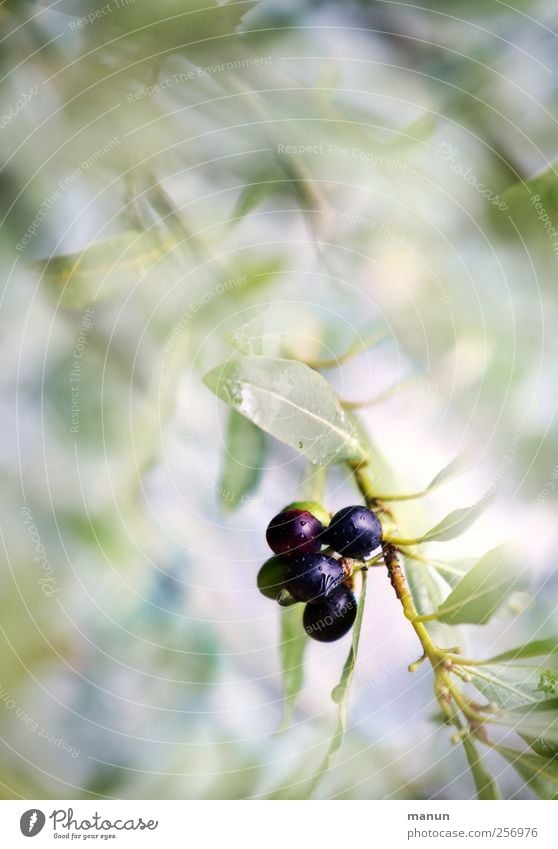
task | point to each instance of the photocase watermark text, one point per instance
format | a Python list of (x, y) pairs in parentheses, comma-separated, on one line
[(450, 156), (18, 106), (48, 581)]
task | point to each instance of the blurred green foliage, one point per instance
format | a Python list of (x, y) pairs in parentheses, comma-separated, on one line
[(321, 167)]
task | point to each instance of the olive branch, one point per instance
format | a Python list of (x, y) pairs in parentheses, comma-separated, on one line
[(292, 401)]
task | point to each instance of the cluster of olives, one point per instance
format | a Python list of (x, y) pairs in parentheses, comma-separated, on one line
[(314, 554)]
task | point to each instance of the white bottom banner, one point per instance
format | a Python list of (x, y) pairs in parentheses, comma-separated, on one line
[(276, 824)]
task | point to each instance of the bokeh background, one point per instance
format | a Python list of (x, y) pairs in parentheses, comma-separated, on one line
[(317, 170)]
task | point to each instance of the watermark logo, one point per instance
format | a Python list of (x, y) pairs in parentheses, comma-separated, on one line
[(32, 822), (450, 156)]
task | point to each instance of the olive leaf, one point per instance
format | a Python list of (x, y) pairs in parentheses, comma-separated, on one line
[(429, 589), (541, 774), (418, 130), (270, 181), (243, 461), (536, 648), (539, 721), (453, 525), (479, 594), (290, 401), (101, 270), (456, 467), (174, 22), (451, 570), (486, 785), (541, 187), (328, 80), (293, 646), (510, 686), (340, 693), (362, 342), (378, 466), (542, 747)]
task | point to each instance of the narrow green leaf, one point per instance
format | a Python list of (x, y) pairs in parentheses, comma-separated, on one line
[(291, 402), (244, 460), (510, 686), (542, 189), (418, 130), (485, 783), (541, 746), (270, 181), (547, 705), (536, 648), (456, 467), (340, 693), (293, 645), (380, 469), (539, 721), (380, 398), (455, 523), (400, 141), (330, 75), (102, 269), (479, 594), (362, 342), (541, 774), (451, 570), (190, 24), (365, 341), (429, 589)]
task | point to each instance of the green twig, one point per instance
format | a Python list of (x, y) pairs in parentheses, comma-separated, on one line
[(452, 702)]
